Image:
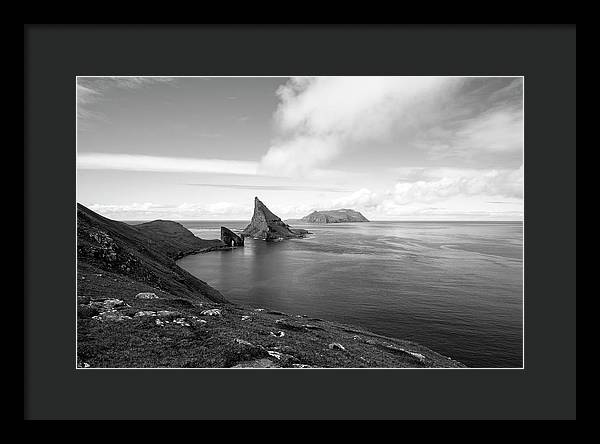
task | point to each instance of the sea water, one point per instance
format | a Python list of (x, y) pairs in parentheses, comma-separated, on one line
[(455, 287)]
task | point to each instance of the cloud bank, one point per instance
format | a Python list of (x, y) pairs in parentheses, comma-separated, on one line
[(442, 193), (466, 133), (320, 119), (317, 118)]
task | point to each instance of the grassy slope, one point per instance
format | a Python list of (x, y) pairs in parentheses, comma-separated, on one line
[(137, 253), (117, 261), (176, 240)]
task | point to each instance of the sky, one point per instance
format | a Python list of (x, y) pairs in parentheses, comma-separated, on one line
[(393, 148)]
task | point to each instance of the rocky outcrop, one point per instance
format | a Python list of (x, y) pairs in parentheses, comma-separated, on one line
[(267, 226), (229, 238), (333, 217)]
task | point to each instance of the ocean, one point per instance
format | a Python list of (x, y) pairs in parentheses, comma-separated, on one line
[(455, 287)]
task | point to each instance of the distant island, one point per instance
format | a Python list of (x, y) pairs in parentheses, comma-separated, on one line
[(342, 215)]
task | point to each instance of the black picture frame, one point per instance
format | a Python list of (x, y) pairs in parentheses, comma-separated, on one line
[(544, 55)]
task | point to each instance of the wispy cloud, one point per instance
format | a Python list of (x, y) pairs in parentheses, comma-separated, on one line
[(272, 187), (483, 127), (101, 84), (160, 164), (90, 90), (136, 162), (86, 94), (149, 210), (496, 133)]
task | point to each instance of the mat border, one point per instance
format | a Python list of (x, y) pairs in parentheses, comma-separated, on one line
[(544, 55)]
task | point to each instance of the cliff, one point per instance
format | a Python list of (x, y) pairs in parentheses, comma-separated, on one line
[(333, 217), (267, 226), (136, 308)]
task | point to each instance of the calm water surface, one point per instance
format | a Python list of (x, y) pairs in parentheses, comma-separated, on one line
[(456, 287)]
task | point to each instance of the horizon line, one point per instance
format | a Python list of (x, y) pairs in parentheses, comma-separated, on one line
[(291, 218)]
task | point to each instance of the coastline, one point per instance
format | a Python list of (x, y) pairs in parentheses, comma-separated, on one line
[(202, 251), (187, 323)]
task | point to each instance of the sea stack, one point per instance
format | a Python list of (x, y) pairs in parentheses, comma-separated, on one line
[(267, 226), (230, 238)]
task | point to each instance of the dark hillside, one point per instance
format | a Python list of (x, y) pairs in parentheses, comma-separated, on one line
[(175, 240), (139, 254)]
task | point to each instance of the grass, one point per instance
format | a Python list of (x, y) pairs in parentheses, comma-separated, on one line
[(141, 343)]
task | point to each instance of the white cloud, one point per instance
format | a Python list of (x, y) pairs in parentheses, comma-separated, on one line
[(363, 198), (434, 192), (441, 183), (133, 207), (428, 193), (227, 209), (139, 162), (149, 210), (299, 156), (319, 117), (136, 162), (359, 108)]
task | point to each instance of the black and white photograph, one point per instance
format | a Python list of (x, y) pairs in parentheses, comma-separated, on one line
[(297, 222), (300, 222)]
